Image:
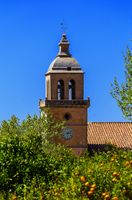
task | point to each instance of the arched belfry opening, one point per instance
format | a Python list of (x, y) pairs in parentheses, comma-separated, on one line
[(60, 94), (71, 89)]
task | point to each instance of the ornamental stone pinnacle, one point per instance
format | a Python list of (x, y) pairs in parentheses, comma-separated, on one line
[(64, 47)]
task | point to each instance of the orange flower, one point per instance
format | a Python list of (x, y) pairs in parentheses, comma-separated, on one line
[(107, 197), (87, 184), (90, 193), (115, 198), (114, 180), (115, 174), (93, 186), (83, 179)]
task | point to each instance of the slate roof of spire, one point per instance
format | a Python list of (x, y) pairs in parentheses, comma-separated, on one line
[(64, 60)]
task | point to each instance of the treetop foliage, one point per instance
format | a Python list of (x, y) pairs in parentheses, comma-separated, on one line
[(123, 93), (33, 167)]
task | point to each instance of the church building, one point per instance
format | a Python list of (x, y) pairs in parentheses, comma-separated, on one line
[(65, 99)]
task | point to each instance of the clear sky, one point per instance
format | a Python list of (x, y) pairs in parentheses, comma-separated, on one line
[(99, 32)]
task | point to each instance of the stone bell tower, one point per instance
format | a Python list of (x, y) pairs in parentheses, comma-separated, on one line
[(65, 97)]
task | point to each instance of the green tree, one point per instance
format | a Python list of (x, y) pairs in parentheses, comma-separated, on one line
[(28, 152), (123, 93)]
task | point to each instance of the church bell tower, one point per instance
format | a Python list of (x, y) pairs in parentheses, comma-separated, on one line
[(65, 97)]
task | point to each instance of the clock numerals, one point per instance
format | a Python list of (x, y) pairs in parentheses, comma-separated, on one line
[(67, 133)]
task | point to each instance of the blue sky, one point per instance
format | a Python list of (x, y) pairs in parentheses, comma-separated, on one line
[(98, 31)]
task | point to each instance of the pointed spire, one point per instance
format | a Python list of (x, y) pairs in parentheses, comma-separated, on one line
[(64, 47)]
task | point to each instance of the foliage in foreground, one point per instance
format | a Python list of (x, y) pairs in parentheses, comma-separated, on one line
[(123, 93), (33, 167)]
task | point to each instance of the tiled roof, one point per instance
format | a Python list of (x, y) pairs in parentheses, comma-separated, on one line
[(117, 133)]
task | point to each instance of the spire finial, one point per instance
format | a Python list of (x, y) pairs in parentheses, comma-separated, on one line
[(63, 27)]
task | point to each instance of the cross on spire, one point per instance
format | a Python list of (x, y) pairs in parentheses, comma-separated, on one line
[(63, 27)]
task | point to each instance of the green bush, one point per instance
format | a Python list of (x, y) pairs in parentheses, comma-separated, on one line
[(27, 152), (33, 167)]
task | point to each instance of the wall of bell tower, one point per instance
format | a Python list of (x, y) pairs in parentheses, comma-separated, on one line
[(65, 97), (52, 85)]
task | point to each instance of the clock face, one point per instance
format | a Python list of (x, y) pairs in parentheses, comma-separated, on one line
[(67, 133)]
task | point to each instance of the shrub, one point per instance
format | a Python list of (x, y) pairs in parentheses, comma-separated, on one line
[(33, 167)]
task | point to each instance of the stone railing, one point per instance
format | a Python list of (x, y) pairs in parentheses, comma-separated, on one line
[(79, 102)]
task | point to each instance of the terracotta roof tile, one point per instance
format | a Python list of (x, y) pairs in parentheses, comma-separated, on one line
[(118, 133)]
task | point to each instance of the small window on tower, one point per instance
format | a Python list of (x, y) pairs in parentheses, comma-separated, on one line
[(67, 116), (60, 89)]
